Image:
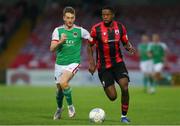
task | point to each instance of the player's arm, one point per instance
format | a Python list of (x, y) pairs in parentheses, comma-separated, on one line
[(86, 35), (127, 45), (92, 64), (56, 41), (91, 42)]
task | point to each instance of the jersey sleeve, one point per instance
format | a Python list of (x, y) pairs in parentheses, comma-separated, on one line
[(85, 33), (124, 37), (93, 35), (164, 46), (55, 35)]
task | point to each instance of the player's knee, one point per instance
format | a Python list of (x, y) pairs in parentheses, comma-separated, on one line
[(64, 84), (59, 87), (113, 97), (125, 88)]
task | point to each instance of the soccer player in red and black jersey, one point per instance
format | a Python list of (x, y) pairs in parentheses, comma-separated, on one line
[(107, 36)]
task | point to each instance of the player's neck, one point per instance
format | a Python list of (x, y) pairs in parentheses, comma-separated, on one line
[(68, 27), (108, 24)]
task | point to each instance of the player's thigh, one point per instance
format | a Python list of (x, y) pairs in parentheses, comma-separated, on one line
[(64, 73), (146, 67), (66, 77), (58, 73), (120, 73), (149, 67), (106, 78), (158, 67), (69, 71), (123, 83), (143, 66), (111, 92)]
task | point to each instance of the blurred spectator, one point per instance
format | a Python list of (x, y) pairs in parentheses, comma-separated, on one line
[(23, 6), (33, 14), (138, 20), (2, 27)]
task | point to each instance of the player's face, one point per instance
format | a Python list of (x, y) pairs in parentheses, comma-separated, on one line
[(69, 19), (107, 15), (145, 38), (155, 38)]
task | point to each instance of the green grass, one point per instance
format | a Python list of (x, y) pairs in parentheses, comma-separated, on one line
[(36, 105)]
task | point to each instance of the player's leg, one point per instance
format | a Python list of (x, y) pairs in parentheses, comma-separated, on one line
[(59, 96), (107, 81), (66, 76), (59, 100), (145, 76), (123, 83), (111, 92), (157, 69), (59, 92), (148, 70), (122, 78)]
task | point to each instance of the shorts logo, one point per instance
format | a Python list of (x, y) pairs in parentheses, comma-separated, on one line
[(103, 83), (125, 73)]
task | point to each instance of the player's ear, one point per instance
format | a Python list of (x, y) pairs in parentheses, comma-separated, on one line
[(63, 18)]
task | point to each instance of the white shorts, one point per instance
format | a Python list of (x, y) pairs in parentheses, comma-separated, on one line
[(59, 69), (158, 67), (146, 66)]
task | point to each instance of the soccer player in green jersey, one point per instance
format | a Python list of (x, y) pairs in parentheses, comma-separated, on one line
[(66, 42), (146, 64), (158, 51)]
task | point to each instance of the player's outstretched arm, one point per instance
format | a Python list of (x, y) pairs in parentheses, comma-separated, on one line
[(92, 65)]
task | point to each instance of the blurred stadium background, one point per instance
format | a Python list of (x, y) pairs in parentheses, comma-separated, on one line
[(26, 27)]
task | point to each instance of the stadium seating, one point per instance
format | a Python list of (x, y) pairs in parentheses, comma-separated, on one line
[(144, 19), (10, 16)]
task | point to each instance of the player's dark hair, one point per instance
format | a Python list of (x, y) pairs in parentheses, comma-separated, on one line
[(69, 10), (108, 8)]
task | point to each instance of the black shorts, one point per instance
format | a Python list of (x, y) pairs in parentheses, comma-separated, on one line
[(115, 73)]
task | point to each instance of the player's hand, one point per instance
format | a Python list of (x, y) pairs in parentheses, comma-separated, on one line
[(63, 38), (132, 50), (92, 68)]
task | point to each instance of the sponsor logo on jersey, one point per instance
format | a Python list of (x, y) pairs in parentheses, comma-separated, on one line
[(69, 42)]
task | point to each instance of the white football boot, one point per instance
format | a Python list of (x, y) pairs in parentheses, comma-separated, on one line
[(57, 114), (71, 111)]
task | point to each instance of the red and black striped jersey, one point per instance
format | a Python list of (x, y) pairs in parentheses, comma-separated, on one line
[(107, 40)]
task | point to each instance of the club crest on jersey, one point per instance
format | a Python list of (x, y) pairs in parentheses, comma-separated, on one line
[(116, 32), (75, 34), (104, 33)]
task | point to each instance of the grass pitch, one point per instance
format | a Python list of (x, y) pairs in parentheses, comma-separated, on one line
[(28, 105)]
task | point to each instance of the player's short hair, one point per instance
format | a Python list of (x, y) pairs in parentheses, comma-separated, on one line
[(108, 8), (69, 10)]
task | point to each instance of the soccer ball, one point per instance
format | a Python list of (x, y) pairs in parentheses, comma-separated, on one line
[(97, 115)]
